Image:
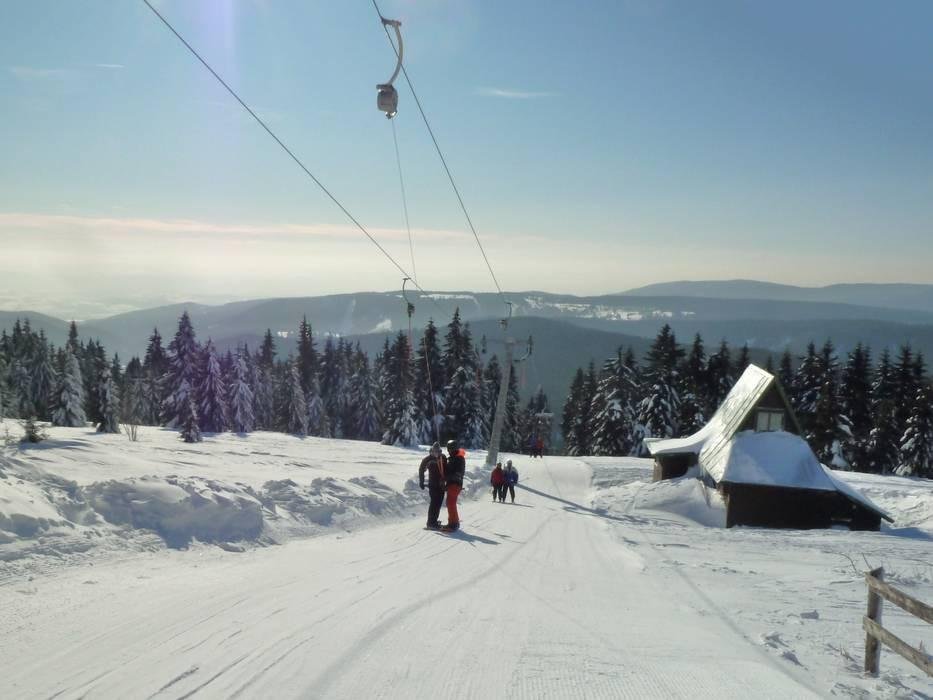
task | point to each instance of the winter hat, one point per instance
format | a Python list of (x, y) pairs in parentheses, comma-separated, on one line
[(435, 449)]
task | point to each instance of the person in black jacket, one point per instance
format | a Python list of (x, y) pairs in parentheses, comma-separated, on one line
[(453, 474), (434, 465)]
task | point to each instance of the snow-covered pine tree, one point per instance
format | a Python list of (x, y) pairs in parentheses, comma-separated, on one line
[(464, 416), (405, 430), (69, 403), (93, 364), (267, 350), (719, 378), (570, 410), (906, 386), (829, 427), (399, 389), (307, 354), (295, 402), (916, 448), (211, 392), (331, 380), (155, 366), (659, 409), (855, 402), (613, 415), (693, 379), (489, 395), (365, 408), (181, 374), (785, 373), (429, 384), (743, 361), (43, 376), (805, 390), (242, 419), (21, 389), (134, 403), (318, 425), (884, 439), (109, 403), (187, 413), (264, 398)]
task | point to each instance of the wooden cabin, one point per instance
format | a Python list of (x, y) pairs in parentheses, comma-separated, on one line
[(751, 451)]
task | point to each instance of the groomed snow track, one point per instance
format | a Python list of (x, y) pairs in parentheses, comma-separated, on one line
[(533, 600)]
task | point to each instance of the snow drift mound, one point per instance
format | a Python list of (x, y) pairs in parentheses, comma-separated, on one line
[(180, 510)]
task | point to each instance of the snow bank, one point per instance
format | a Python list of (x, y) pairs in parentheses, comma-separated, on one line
[(180, 510), (81, 490)]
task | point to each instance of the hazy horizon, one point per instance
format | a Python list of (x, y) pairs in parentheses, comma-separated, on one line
[(643, 142)]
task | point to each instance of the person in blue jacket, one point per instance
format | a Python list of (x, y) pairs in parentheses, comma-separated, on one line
[(511, 478)]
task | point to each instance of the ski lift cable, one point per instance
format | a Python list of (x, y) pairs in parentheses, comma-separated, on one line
[(401, 182), (288, 151), (440, 153)]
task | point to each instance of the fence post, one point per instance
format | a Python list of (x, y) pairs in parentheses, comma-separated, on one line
[(872, 643)]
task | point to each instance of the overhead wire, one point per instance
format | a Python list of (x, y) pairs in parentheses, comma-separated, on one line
[(440, 154), (401, 182), (290, 153)]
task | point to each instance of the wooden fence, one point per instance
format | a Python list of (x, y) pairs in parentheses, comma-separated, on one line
[(876, 635)]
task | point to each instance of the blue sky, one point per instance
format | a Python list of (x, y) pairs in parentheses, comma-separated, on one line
[(598, 145)]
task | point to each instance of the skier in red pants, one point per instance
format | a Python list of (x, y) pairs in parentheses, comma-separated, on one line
[(453, 474)]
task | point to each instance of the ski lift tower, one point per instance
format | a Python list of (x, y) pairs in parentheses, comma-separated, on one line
[(493, 453)]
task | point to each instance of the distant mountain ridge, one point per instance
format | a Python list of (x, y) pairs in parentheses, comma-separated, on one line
[(917, 297)]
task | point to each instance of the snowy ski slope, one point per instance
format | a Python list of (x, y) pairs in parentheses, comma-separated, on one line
[(595, 584)]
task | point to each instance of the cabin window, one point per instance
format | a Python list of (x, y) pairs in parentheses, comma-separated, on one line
[(770, 421)]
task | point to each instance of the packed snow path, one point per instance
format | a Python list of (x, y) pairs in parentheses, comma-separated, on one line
[(536, 599)]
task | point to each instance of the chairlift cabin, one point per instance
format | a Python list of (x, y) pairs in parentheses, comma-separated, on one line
[(387, 95)]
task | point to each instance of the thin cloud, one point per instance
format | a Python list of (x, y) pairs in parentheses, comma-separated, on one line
[(515, 94), (109, 66), (32, 73), (58, 222)]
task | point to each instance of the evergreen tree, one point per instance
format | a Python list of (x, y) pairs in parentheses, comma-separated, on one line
[(906, 385), (660, 408), (109, 403), (569, 414), (69, 410), (181, 375), (430, 380), (743, 361), (464, 419), (405, 430), (785, 373), (613, 414), (365, 409), (43, 377), (211, 393), (264, 398), (719, 379), (155, 383), (331, 380), (693, 380), (884, 438), (808, 381), (187, 413), (296, 403), (267, 350), (72, 343), (307, 355), (318, 424), (134, 405), (242, 418), (916, 448), (855, 401)]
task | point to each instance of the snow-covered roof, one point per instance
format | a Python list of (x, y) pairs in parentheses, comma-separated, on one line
[(777, 459), (767, 459), (746, 392)]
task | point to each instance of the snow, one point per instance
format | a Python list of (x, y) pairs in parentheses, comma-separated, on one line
[(771, 459), (595, 583)]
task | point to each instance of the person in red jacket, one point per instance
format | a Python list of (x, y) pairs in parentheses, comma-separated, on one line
[(497, 479), (453, 474)]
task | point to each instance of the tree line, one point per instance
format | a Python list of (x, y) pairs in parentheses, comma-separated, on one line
[(856, 414), (443, 388)]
